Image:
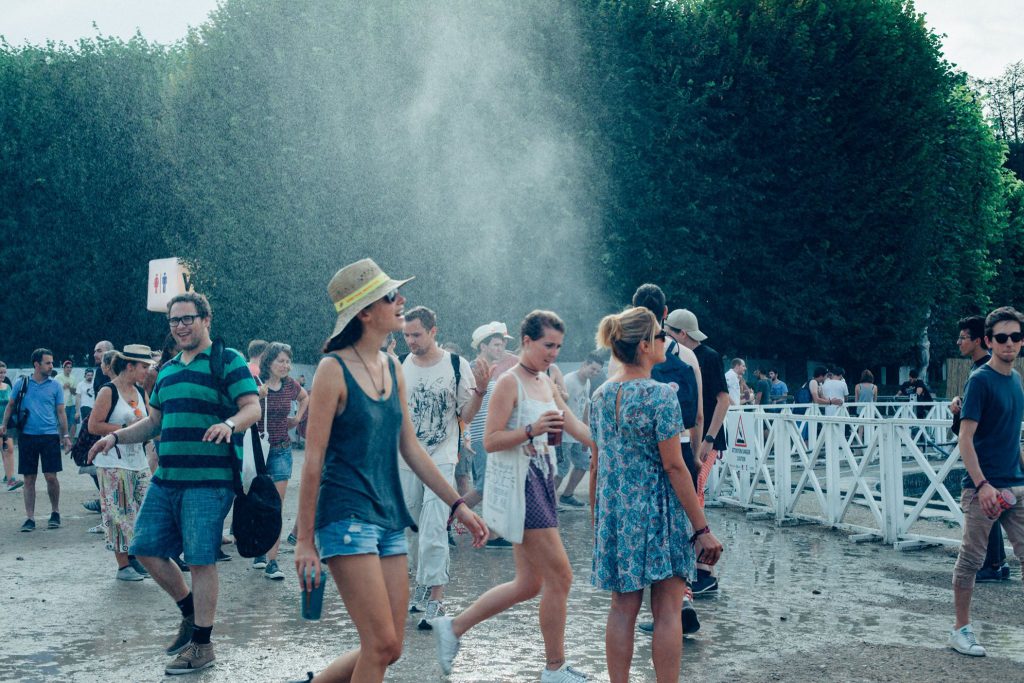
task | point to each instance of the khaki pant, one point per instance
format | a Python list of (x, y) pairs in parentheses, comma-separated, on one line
[(976, 530)]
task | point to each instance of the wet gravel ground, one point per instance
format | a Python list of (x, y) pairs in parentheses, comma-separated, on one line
[(796, 604)]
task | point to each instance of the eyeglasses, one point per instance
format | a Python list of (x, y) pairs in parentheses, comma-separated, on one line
[(391, 296), (660, 336), (185, 320), (961, 339), (1001, 338)]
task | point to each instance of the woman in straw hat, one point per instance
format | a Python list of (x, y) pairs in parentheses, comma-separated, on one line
[(358, 425), (123, 471), (525, 419)]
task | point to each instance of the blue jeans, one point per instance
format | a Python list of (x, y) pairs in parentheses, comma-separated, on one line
[(173, 520), (355, 537), (279, 463)]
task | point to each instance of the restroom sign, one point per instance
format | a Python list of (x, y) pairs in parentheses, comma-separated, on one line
[(168, 277)]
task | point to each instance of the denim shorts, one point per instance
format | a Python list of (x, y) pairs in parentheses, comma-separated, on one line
[(355, 537), (279, 463), (173, 520)]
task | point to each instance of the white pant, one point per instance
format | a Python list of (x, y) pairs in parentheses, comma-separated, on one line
[(431, 516)]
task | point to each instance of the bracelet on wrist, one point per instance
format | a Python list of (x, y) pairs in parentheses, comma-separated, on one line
[(455, 506), (983, 482), (116, 439), (699, 532)]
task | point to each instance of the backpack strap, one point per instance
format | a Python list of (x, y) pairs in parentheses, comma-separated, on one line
[(457, 369)]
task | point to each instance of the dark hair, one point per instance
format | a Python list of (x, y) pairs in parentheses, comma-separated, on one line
[(119, 364), (426, 317), (650, 297), (270, 354), (819, 371), (913, 373), (1002, 314), (349, 335), (37, 355), (201, 303), (838, 370), (533, 324), (594, 357), (867, 376), (170, 350), (3, 364), (256, 347), (975, 326)]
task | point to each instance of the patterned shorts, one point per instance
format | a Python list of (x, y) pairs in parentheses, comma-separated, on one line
[(121, 494)]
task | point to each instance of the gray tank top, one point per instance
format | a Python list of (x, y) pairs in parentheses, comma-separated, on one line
[(866, 393), (360, 474)]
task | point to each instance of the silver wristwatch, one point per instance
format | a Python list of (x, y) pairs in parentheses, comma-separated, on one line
[(229, 423)]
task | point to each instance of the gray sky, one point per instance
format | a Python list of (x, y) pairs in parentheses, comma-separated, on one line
[(983, 36)]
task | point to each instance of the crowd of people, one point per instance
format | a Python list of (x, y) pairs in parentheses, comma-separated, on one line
[(401, 450)]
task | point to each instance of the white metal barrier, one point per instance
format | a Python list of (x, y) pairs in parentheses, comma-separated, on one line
[(847, 471)]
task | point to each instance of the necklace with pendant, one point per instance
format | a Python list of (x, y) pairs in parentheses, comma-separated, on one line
[(380, 389)]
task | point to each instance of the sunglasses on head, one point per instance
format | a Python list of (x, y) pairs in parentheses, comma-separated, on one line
[(1001, 338)]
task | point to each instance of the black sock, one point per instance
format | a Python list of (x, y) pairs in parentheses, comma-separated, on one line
[(186, 606), (201, 635)]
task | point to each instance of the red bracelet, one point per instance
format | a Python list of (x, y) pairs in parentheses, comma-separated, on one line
[(455, 505), (699, 532)]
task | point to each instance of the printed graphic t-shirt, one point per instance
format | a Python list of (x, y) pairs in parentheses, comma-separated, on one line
[(435, 404)]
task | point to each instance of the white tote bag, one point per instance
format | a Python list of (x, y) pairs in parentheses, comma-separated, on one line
[(505, 488), (249, 443)]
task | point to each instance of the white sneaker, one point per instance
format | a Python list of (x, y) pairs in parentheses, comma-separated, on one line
[(98, 529), (435, 609), (565, 674), (965, 642), (447, 643), (418, 599), (129, 574)]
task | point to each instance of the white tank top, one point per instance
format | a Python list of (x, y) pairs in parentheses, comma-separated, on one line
[(131, 456)]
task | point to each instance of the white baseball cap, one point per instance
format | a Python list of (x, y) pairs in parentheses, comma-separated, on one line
[(489, 330), (682, 319)]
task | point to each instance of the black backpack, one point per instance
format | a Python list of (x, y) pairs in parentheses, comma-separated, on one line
[(19, 416), (256, 516), (457, 369), (679, 374)]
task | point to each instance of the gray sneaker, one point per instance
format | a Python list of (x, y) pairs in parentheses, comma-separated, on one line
[(447, 643), (418, 599), (129, 574), (184, 637), (259, 562), (193, 658), (435, 609), (273, 571)]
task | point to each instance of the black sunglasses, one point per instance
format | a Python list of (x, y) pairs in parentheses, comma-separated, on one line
[(391, 296), (661, 336), (1015, 337)]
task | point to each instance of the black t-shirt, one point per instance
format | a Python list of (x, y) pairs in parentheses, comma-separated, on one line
[(98, 380), (977, 364), (712, 383), (765, 387)]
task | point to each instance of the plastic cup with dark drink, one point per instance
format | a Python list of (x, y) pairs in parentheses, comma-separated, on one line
[(313, 599), (555, 438)]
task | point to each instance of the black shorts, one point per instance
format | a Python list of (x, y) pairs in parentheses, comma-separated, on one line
[(33, 448)]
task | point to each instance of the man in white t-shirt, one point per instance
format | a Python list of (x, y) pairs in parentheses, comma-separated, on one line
[(437, 400), (85, 398), (732, 379), (574, 456), (834, 390)]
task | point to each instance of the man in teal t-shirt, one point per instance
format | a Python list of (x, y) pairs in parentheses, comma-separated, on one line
[(195, 415)]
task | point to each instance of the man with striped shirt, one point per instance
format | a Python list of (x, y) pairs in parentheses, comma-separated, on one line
[(195, 414)]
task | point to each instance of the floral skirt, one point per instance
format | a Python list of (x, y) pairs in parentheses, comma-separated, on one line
[(121, 494)]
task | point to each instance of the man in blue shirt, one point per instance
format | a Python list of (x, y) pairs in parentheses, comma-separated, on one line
[(779, 388), (993, 485), (39, 442)]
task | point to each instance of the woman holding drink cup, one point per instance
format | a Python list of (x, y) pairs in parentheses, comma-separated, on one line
[(524, 422), (358, 425)]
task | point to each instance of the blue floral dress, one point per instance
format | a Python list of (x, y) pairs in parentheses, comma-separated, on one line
[(642, 532)]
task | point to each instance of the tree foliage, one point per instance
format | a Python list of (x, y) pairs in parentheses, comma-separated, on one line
[(810, 177)]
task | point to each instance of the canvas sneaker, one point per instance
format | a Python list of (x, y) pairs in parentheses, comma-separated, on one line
[(691, 624), (705, 585), (129, 574), (54, 522), (29, 525), (965, 642), (14, 484), (447, 643), (497, 544), (435, 609), (571, 502), (564, 674), (98, 529), (273, 571), (418, 599), (184, 637), (193, 658), (259, 562), (92, 505)]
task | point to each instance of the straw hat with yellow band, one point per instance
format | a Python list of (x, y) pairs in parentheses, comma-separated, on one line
[(355, 287)]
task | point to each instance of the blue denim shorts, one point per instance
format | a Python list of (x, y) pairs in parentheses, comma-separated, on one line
[(173, 520), (355, 537), (279, 463)]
